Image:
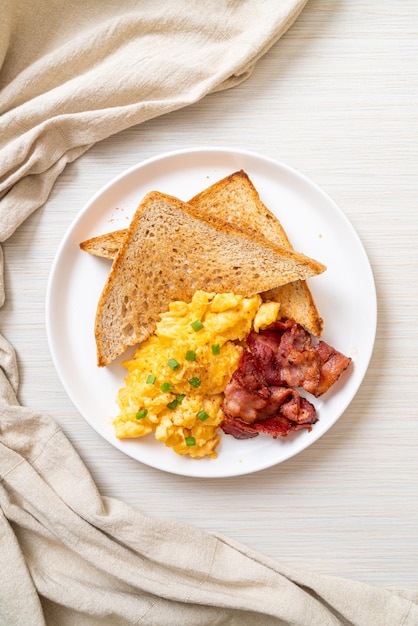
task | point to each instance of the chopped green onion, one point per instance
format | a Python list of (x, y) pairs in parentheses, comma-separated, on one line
[(173, 364), (151, 379), (166, 387), (190, 355), (195, 382), (190, 441), (196, 325), (203, 416), (216, 348), (141, 414), (174, 403)]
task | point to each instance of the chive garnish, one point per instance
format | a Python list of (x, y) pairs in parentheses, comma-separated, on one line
[(195, 382), (203, 416), (173, 364), (151, 379), (190, 355), (166, 387), (190, 441), (141, 414), (196, 325), (174, 403), (216, 348)]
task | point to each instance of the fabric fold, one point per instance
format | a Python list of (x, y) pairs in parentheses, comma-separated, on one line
[(94, 70), (92, 558)]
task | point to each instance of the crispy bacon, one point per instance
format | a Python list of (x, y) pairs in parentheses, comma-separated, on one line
[(286, 355), (261, 396), (252, 406), (276, 426), (333, 363)]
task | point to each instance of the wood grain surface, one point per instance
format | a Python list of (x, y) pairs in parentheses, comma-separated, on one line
[(337, 99)]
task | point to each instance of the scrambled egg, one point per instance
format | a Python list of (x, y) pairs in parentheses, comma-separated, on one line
[(175, 382)]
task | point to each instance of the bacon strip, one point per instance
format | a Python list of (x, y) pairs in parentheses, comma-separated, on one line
[(276, 426), (261, 396), (252, 406), (333, 363), (285, 355)]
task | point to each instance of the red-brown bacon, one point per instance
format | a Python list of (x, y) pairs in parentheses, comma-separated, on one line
[(285, 355), (261, 396)]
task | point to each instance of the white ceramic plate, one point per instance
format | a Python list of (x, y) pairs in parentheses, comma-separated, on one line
[(315, 226)]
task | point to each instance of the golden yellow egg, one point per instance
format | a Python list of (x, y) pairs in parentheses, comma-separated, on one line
[(175, 381)]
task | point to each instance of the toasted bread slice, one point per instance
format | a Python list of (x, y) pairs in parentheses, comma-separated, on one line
[(194, 252), (235, 200)]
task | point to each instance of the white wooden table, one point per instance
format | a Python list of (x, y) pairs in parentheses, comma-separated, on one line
[(337, 99)]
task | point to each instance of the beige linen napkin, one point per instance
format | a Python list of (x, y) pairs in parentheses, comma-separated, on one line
[(71, 557), (72, 73)]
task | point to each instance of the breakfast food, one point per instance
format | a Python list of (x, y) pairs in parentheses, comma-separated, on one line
[(235, 200), (171, 251), (227, 332), (175, 382), (223, 363), (262, 395)]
